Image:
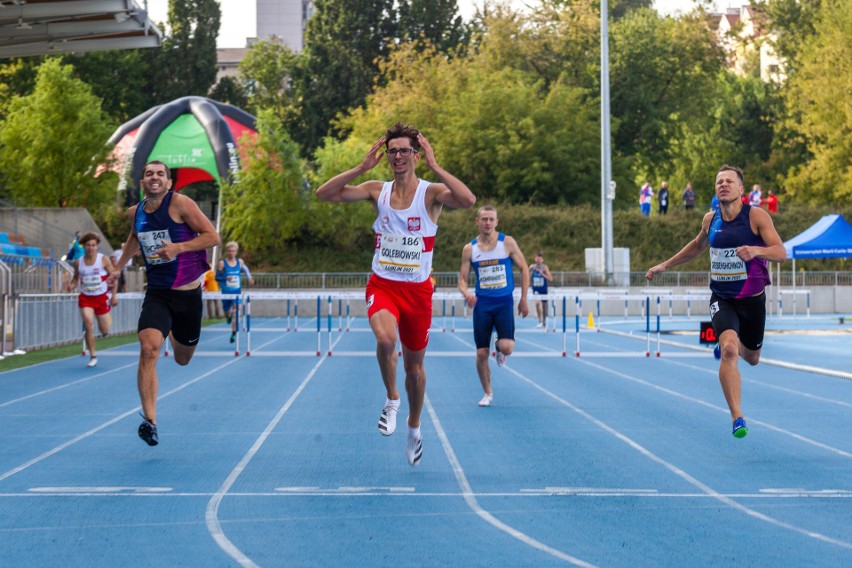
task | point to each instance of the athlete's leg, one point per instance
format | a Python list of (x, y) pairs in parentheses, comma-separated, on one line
[(506, 346), (88, 315), (384, 327), (415, 383), (150, 341), (183, 353), (483, 370), (104, 322), (729, 374)]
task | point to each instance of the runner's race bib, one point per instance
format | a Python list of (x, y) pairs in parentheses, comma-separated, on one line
[(538, 281), (91, 283), (400, 253), (152, 241), (232, 281), (726, 266), (493, 276)]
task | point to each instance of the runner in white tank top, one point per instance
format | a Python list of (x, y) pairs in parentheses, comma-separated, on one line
[(399, 293), (91, 272)]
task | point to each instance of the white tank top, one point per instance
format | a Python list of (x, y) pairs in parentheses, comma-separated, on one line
[(404, 237), (93, 278)]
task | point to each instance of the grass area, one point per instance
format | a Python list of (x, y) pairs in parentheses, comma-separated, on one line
[(52, 353)]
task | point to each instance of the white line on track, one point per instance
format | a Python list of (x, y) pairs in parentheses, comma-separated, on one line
[(66, 385), (671, 467), (706, 404), (471, 501), (109, 423), (214, 527), (767, 494)]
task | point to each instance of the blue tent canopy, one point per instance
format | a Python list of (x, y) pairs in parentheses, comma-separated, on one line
[(830, 237)]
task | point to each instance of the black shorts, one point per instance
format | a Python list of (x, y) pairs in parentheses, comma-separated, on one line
[(746, 316), (175, 311)]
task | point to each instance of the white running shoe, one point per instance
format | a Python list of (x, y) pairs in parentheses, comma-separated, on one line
[(539, 324), (414, 449), (486, 400), (501, 358), (387, 421), (92, 362)]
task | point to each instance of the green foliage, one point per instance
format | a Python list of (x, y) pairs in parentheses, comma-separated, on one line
[(51, 141), (562, 234), (819, 100), (264, 208), (344, 40), (265, 72), (435, 21), (118, 78), (229, 90), (663, 73), (17, 79), (187, 63)]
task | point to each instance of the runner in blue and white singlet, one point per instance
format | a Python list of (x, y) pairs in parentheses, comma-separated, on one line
[(492, 255)]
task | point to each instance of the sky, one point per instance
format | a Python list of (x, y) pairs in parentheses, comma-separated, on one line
[(239, 16)]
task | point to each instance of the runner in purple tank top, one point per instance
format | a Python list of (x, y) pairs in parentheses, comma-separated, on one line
[(741, 240)]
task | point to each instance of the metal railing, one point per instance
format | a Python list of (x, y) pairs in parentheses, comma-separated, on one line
[(349, 280), (47, 320)]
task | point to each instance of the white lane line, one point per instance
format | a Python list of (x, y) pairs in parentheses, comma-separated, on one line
[(66, 385), (99, 490), (214, 527), (802, 394), (471, 501), (108, 423), (752, 420), (676, 470), (284, 492)]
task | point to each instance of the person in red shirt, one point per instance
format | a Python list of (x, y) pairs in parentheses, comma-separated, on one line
[(771, 202)]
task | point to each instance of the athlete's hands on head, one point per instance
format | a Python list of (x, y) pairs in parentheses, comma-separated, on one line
[(428, 152), (374, 156)]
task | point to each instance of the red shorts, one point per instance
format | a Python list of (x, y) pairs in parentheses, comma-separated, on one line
[(409, 302), (99, 303)]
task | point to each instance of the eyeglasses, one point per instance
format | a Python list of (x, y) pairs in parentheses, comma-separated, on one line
[(403, 151)]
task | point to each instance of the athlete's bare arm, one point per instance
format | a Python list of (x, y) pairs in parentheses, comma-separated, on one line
[(692, 249), (182, 209), (451, 191), (762, 225), (338, 190), (464, 274), (518, 259)]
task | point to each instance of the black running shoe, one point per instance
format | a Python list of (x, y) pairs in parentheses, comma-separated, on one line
[(148, 432), (233, 337)]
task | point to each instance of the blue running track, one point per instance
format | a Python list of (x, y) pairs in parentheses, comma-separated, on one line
[(607, 459)]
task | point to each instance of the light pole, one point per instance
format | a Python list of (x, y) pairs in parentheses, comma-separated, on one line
[(607, 184)]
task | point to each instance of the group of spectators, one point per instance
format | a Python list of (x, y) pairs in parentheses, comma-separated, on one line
[(755, 198)]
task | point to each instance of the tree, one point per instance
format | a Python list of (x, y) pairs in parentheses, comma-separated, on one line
[(119, 78), (187, 63), (436, 21), (230, 90), (265, 72), (344, 41), (52, 140), (663, 72), (264, 208), (818, 98)]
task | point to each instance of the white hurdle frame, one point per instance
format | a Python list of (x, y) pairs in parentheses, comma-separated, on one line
[(556, 299)]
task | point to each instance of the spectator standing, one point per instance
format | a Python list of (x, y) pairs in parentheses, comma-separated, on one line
[(663, 198), (755, 196), (772, 203), (688, 196), (646, 194)]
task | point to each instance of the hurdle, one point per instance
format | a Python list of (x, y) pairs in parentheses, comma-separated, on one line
[(795, 293)]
